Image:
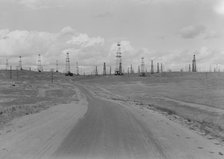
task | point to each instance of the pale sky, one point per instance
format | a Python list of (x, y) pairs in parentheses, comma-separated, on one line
[(167, 31)]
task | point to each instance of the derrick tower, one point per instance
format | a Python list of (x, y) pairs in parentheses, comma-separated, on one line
[(56, 65), (161, 68), (39, 66), (67, 64), (157, 67), (96, 71), (20, 63), (118, 70), (194, 67), (6, 64), (152, 67), (104, 69), (142, 67)]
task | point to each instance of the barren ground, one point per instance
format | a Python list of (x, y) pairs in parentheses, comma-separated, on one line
[(170, 115)]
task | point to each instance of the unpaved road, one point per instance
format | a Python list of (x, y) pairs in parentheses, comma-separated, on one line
[(111, 130), (108, 129)]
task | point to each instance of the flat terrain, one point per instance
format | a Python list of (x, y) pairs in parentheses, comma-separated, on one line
[(161, 116)]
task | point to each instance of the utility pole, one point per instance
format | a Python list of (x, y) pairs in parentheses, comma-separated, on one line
[(77, 68), (17, 73), (152, 67), (6, 64), (10, 73)]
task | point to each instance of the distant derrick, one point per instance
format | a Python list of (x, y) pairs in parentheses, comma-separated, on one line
[(56, 65), (6, 64), (39, 66), (20, 63), (110, 70), (194, 67), (142, 67), (68, 73), (96, 71), (158, 68), (118, 70), (189, 67), (104, 69), (152, 67)]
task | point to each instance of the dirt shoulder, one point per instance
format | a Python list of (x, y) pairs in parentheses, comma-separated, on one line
[(39, 135), (22, 98)]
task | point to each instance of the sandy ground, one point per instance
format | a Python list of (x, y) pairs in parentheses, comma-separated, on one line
[(39, 135)]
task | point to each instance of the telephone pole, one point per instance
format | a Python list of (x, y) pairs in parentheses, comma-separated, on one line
[(77, 68)]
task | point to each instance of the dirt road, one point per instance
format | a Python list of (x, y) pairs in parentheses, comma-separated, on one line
[(108, 129), (112, 130)]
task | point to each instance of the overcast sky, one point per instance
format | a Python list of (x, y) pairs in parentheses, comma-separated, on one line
[(168, 31)]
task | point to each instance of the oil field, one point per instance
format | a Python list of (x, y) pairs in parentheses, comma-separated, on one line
[(133, 79)]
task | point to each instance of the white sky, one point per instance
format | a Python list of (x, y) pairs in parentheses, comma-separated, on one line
[(168, 31)]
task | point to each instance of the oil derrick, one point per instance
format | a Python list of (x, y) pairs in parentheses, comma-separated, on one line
[(132, 71), (194, 67), (56, 65), (157, 68), (96, 71), (39, 66), (161, 68), (110, 70), (152, 67), (77, 68), (139, 70), (68, 73), (20, 63), (6, 64), (104, 69), (118, 70), (142, 67)]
